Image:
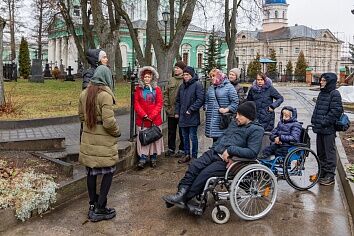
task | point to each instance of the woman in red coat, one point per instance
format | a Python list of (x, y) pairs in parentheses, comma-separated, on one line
[(148, 102)]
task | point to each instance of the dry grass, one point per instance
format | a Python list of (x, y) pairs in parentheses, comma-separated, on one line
[(53, 98)]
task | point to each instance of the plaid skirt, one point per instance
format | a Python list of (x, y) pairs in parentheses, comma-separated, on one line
[(100, 170)]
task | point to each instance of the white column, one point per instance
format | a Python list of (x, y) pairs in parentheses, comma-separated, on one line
[(64, 51), (51, 50), (72, 54), (57, 51)]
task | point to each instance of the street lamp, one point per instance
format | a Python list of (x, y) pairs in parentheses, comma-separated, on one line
[(165, 18)]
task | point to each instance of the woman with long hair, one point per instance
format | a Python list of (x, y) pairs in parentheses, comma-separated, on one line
[(99, 141)]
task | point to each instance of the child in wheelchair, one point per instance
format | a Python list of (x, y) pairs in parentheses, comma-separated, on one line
[(287, 131)]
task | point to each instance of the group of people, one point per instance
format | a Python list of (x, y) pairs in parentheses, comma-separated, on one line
[(247, 118)]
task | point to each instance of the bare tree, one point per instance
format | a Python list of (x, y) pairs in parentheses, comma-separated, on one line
[(10, 7), (165, 54), (42, 15), (230, 31), (2, 94), (64, 8)]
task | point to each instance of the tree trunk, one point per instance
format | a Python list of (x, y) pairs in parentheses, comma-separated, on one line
[(87, 33), (12, 29), (118, 53), (40, 29), (71, 28), (230, 30), (2, 91), (166, 54)]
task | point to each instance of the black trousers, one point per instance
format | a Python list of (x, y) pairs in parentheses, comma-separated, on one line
[(326, 151), (101, 199), (200, 170), (172, 124)]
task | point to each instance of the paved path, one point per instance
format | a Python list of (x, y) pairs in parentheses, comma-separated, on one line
[(137, 199)]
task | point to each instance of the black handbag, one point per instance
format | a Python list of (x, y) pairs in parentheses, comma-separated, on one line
[(225, 118), (149, 135)]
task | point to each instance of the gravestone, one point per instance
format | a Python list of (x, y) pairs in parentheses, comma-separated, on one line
[(47, 73), (62, 74), (36, 71), (69, 77)]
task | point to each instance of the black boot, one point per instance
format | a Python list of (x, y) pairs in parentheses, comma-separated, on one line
[(102, 214), (195, 208), (177, 199)]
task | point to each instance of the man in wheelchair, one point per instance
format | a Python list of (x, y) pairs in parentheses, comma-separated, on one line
[(287, 131), (242, 139)]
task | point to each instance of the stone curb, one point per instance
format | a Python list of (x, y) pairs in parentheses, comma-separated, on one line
[(70, 189), (21, 124), (348, 186)]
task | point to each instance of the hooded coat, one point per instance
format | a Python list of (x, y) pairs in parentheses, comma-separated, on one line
[(287, 131), (99, 146), (170, 94), (92, 58), (151, 106), (225, 95), (190, 97), (264, 98), (328, 108)]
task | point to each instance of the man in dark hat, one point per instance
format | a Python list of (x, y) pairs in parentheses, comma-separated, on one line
[(242, 139), (169, 97)]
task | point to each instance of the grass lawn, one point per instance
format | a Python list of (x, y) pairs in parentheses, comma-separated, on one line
[(53, 98)]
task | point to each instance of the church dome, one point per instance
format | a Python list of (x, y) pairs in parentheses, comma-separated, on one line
[(275, 1)]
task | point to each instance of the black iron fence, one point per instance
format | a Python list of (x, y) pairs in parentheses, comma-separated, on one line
[(10, 71)]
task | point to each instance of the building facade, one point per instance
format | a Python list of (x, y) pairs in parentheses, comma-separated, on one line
[(321, 48)]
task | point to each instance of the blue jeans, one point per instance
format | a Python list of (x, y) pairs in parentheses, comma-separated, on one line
[(190, 134)]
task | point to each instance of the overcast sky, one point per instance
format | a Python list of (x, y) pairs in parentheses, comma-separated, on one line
[(334, 15)]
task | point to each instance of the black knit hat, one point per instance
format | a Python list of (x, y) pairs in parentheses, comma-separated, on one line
[(248, 109), (189, 70), (181, 64)]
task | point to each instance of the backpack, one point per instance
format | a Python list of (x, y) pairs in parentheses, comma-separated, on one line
[(343, 123)]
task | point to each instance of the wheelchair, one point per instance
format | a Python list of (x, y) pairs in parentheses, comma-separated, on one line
[(250, 187), (300, 167)]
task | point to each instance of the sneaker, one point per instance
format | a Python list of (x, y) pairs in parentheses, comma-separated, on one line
[(153, 163), (90, 211), (141, 164), (169, 153), (179, 154), (102, 214), (327, 181), (184, 159)]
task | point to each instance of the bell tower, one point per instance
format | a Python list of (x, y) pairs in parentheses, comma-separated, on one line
[(274, 15)]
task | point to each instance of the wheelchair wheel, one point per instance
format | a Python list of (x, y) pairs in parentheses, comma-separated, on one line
[(221, 215), (301, 168), (253, 192)]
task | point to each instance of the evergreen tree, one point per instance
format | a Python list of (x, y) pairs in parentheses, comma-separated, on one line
[(272, 67), (301, 65), (213, 56), (254, 67), (351, 51), (24, 59), (289, 69)]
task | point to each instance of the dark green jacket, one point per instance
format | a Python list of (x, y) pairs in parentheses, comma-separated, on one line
[(170, 94)]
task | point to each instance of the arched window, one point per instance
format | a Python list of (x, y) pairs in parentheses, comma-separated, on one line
[(124, 52), (283, 14), (276, 14), (243, 36), (185, 51), (200, 55)]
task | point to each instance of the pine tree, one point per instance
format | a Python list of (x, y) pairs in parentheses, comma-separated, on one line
[(24, 59), (351, 51), (301, 65), (289, 69), (213, 53), (257, 64), (272, 67)]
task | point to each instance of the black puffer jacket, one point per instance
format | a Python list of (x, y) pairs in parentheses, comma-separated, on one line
[(328, 107), (92, 57)]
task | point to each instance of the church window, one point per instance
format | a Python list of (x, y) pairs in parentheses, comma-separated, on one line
[(283, 14), (243, 36), (297, 50), (185, 58), (244, 51), (281, 50), (200, 60), (76, 11), (276, 14)]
